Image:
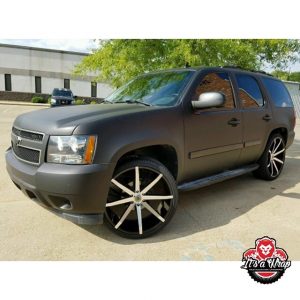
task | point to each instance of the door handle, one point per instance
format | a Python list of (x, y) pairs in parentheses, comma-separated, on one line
[(267, 118), (234, 122)]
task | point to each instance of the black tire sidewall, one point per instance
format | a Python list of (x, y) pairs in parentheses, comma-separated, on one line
[(156, 166)]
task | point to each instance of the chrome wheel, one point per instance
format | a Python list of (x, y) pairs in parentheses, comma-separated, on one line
[(141, 199), (276, 156)]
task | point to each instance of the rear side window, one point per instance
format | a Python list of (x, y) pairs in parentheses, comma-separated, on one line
[(249, 91), (278, 92)]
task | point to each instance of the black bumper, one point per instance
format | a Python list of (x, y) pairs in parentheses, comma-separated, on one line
[(75, 192), (290, 139)]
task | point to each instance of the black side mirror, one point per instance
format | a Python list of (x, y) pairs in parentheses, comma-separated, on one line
[(208, 100)]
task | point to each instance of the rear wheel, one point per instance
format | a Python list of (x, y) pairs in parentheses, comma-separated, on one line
[(272, 161), (142, 199)]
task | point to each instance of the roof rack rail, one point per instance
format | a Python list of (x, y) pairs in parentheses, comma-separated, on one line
[(232, 67), (254, 71), (262, 72)]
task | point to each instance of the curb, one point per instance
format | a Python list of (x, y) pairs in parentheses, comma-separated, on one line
[(23, 103)]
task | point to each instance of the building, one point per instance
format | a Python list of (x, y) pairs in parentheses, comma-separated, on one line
[(25, 71), (294, 90)]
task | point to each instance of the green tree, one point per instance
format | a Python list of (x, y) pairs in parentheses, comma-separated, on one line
[(117, 61), (293, 76)]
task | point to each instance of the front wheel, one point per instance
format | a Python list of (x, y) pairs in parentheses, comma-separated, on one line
[(272, 161), (142, 199)]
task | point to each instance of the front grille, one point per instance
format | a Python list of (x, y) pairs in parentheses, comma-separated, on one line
[(26, 154), (27, 134)]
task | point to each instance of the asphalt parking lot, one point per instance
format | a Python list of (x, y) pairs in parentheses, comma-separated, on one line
[(215, 223)]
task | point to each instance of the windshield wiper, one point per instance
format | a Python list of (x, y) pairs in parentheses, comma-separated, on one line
[(106, 101), (134, 102)]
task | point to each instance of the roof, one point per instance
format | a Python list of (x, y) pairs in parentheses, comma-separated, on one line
[(43, 49), (215, 68)]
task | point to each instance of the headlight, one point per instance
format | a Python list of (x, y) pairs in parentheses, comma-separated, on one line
[(53, 101), (75, 149)]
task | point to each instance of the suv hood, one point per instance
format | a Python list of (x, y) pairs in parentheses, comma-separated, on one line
[(63, 120)]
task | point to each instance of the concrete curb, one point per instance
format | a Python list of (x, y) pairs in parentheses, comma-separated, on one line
[(23, 103)]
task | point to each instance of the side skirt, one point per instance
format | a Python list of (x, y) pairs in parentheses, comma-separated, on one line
[(206, 181)]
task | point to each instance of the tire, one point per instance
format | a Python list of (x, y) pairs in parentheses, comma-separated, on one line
[(272, 160), (136, 216)]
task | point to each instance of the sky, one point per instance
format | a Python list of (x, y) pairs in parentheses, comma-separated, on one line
[(80, 45), (83, 45)]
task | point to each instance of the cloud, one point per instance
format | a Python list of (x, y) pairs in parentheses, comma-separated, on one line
[(80, 45)]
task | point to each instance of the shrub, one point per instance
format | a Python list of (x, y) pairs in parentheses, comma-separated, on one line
[(38, 99), (94, 102), (79, 102)]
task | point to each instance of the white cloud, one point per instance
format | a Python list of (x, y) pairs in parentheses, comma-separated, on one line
[(81, 45)]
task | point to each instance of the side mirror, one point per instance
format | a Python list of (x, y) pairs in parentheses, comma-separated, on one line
[(208, 100)]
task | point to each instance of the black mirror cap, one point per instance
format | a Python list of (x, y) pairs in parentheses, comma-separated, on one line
[(209, 100)]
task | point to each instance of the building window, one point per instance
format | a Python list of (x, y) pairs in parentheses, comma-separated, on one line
[(38, 84), (7, 82), (94, 89), (67, 83)]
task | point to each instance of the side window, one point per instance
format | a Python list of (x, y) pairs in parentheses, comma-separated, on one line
[(249, 91), (216, 82), (278, 92)]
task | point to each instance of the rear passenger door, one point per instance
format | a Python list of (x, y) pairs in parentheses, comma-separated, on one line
[(256, 116)]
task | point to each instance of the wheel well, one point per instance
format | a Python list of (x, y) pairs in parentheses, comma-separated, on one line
[(282, 131), (163, 153)]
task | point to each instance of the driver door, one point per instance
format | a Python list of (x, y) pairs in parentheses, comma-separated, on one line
[(213, 136)]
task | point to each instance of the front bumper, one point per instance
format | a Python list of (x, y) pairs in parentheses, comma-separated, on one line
[(75, 192), (290, 139)]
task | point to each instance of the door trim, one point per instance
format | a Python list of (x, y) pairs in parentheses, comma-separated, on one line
[(216, 150)]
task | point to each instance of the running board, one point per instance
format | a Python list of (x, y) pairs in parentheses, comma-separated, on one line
[(206, 181)]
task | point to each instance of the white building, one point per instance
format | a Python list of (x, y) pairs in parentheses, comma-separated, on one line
[(37, 70)]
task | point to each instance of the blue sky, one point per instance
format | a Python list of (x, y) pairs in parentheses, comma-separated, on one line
[(80, 45)]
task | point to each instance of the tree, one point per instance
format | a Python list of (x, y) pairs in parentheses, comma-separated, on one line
[(293, 76), (117, 61)]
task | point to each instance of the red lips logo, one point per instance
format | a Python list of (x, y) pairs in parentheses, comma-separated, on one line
[(265, 263)]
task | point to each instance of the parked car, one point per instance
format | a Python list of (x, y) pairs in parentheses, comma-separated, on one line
[(62, 97), (125, 160)]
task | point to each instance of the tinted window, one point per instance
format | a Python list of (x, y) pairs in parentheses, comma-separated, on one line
[(38, 84), (161, 89), (66, 83), (7, 82), (278, 92), (216, 82), (249, 91), (62, 93), (94, 89)]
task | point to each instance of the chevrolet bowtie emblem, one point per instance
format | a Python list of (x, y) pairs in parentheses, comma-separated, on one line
[(19, 141)]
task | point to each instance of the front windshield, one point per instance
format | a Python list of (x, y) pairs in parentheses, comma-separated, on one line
[(62, 93), (162, 89)]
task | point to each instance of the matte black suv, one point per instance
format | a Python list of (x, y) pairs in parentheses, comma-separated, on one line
[(62, 97), (162, 132)]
